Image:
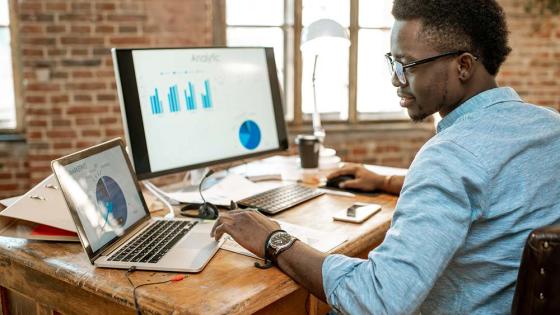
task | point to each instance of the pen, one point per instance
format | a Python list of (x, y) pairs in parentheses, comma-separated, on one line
[(337, 193)]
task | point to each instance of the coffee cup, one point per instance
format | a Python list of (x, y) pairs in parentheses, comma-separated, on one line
[(308, 147)]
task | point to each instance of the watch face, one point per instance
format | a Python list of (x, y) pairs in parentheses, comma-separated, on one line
[(280, 239)]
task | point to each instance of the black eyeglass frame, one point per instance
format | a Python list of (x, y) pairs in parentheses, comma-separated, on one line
[(393, 68)]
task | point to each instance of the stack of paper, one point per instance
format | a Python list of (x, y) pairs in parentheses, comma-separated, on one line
[(322, 241)]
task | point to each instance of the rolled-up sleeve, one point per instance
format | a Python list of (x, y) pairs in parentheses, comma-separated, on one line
[(441, 197)]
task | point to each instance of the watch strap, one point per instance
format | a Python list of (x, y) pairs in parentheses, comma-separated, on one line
[(268, 262), (273, 255)]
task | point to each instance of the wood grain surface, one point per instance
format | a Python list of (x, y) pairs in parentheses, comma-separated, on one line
[(59, 276)]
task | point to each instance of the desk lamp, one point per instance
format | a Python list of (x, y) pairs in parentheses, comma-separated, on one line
[(321, 36)]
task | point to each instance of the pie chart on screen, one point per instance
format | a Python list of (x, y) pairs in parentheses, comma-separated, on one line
[(250, 134), (110, 198)]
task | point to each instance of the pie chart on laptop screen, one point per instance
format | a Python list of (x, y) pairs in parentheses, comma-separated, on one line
[(110, 198), (250, 134)]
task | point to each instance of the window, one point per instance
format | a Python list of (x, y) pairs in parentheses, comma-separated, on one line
[(265, 23), (376, 94), (7, 99), (351, 85), (331, 73)]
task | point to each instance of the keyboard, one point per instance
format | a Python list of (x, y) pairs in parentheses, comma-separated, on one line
[(154, 242), (279, 199)]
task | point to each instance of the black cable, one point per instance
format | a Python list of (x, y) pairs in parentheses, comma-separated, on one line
[(128, 272), (206, 210), (210, 172), (134, 287)]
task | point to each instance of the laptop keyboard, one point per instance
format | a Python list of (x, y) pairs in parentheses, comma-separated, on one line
[(153, 243), (281, 198)]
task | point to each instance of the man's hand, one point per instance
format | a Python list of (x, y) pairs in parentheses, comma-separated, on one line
[(248, 228), (251, 229), (364, 180)]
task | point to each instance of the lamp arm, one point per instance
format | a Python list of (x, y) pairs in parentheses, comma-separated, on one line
[(318, 130), (314, 68)]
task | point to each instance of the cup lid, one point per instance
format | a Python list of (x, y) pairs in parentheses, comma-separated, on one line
[(306, 138)]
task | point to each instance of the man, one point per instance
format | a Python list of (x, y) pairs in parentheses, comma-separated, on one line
[(472, 195)]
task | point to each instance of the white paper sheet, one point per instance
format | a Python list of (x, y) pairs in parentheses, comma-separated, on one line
[(9, 201), (233, 187), (320, 240)]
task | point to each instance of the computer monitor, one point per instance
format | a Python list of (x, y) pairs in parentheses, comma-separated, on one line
[(187, 108)]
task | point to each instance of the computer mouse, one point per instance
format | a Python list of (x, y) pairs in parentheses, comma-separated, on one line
[(335, 181)]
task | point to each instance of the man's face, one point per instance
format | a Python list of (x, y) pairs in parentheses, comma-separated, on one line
[(431, 87)]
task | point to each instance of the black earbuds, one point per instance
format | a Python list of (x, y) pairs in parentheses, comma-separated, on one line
[(204, 210)]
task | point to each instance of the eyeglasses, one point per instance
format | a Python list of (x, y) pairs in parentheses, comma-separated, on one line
[(396, 67)]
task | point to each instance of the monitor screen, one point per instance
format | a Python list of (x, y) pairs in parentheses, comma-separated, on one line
[(185, 108)]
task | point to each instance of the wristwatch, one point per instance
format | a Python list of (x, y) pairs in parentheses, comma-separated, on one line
[(278, 242)]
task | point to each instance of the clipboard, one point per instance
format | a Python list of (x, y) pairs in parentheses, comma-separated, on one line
[(39, 214)]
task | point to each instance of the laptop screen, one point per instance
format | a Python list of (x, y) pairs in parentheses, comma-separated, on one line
[(101, 193)]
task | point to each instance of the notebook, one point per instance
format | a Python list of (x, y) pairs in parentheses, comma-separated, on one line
[(113, 222)]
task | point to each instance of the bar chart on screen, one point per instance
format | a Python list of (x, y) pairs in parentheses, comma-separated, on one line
[(189, 101), (190, 98)]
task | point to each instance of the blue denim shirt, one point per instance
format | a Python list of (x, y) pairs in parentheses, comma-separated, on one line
[(472, 195)]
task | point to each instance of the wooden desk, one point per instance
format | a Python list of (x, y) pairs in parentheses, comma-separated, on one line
[(42, 277)]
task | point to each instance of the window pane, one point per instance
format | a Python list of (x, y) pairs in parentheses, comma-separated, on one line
[(4, 13), (331, 82), (7, 101), (261, 36), (376, 13), (338, 10), (375, 91), (255, 12)]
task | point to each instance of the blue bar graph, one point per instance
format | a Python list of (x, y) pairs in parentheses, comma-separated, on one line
[(190, 98), (207, 98), (155, 103), (173, 98)]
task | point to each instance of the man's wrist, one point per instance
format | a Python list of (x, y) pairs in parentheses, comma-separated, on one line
[(285, 250), (387, 182), (278, 242), (268, 262), (267, 243)]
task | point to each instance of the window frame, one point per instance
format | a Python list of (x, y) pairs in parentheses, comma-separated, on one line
[(295, 116), (16, 70)]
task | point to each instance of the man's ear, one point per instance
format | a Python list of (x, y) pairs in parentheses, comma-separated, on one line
[(465, 66)]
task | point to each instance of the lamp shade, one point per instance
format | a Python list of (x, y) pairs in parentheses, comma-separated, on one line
[(322, 35)]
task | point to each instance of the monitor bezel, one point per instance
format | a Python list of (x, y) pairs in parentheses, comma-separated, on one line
[(78, 156), (129, 100)]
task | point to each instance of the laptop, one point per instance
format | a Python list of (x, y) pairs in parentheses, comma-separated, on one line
[(113, 222)]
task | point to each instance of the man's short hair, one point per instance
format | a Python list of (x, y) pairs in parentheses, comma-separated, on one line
[(476, 26)]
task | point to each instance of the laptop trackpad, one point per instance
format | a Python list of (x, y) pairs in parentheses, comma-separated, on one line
[(193, 250), (197, 240)]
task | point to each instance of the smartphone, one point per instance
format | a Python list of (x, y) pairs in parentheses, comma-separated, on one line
[(357, 213)]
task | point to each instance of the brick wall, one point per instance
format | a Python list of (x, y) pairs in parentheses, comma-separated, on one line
[(70, 98), (395, 146), (533, 67), (69, 92), (14, 171)]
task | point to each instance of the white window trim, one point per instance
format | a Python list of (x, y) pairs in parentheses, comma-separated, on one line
[(295, 115), (16, 71)]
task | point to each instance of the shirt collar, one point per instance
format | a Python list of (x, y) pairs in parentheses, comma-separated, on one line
[(482, 100)]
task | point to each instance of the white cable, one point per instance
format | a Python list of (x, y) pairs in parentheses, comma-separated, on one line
[(156, 192)]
